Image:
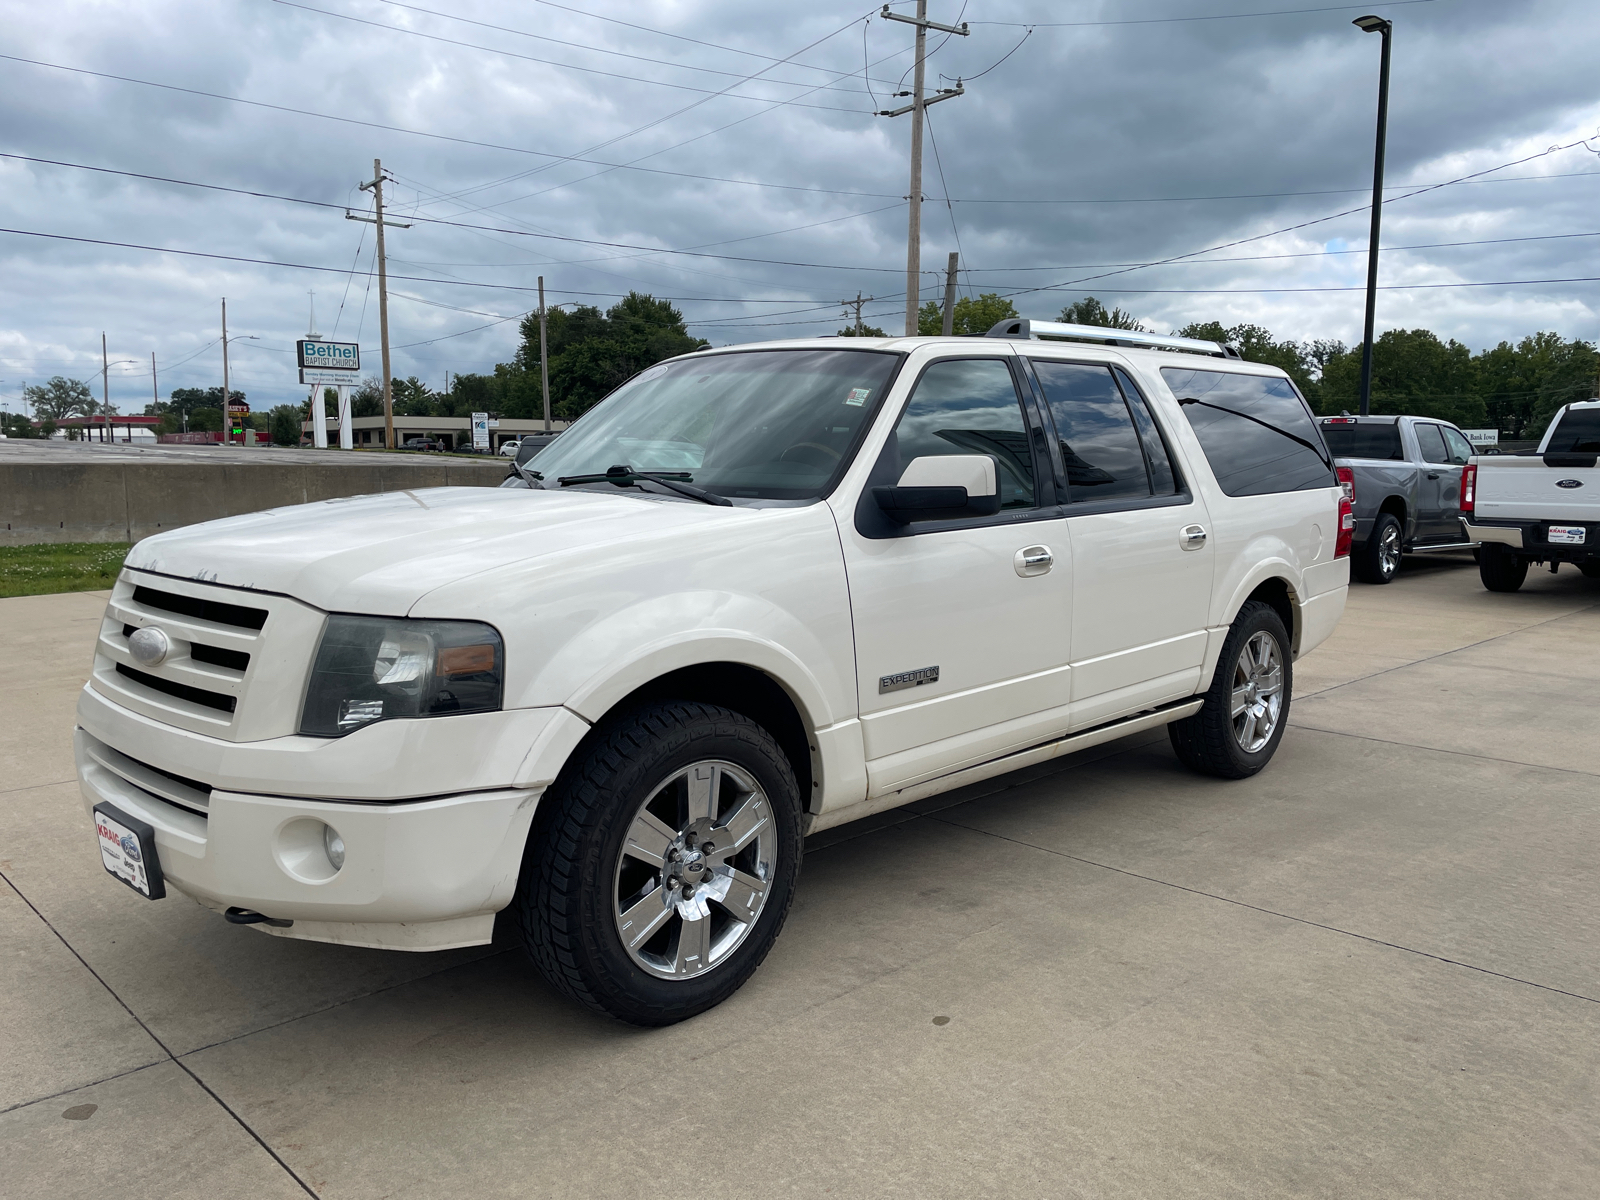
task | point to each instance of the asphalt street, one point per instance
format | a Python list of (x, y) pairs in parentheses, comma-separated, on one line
[(1371, 971)]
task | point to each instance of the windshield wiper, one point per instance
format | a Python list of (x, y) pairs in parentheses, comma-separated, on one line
[(674, 481)]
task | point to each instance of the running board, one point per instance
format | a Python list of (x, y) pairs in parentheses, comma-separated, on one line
[(1108, 732), (1441, 549)]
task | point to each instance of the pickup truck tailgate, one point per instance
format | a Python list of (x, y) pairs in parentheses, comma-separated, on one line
[(1525, 488)]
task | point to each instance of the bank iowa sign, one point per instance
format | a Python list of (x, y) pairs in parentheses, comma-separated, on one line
[(329, 356)]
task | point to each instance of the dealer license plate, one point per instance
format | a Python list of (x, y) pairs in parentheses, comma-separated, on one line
[(128, 850), (1567, 535)]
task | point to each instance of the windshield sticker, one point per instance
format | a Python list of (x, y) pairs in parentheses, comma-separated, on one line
[(857, 397)]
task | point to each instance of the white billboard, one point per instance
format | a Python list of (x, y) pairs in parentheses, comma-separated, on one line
[(328, 378), (328, 356), (480, 431), (1483, 437)]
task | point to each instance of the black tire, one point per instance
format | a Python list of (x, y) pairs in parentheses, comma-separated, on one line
[(1500, 569), (1207, 742), (1590, 569), (564, 903), (1378, 558)]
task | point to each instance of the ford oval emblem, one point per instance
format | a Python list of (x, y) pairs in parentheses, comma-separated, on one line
[(1569, 483), (150, 646)]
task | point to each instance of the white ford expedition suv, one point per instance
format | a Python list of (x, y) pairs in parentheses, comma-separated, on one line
[(755, 593)]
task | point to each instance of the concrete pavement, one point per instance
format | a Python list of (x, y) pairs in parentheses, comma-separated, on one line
[(1373, 970)]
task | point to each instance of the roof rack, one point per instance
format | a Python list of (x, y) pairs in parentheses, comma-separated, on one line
[(1058, 331)]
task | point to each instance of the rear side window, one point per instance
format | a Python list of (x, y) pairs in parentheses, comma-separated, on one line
[(970, 406), (1578, 432), (1363, 441), (1099, 445), (1256, 432)]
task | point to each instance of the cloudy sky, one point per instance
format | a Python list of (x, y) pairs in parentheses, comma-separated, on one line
[(582, 141)]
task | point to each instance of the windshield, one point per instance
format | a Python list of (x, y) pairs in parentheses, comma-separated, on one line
[(1578, 432), (761, 424)]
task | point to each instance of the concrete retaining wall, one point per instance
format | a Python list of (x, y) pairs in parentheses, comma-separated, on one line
[(129, 501)]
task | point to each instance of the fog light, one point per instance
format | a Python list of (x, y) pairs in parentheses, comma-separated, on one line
[(334, 845)]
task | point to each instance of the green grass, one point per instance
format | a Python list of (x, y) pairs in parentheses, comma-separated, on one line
[(61, 567)]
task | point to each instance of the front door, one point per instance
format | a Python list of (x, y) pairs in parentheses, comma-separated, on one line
[(1439, 484), (1142, 554), (962, 626)]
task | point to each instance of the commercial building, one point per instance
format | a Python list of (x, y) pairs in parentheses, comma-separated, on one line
[(451, 432)]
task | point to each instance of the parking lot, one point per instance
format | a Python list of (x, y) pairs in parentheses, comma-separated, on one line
[(1373, 970)]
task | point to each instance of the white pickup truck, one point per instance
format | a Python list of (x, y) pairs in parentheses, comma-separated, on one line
[(755, 593), (1542, 507)]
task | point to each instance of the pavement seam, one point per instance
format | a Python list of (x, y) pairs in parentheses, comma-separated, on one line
[(32, 787), (184, 1067), (10, 1108), (1446, 653), (1510, 762), (1454, 962)]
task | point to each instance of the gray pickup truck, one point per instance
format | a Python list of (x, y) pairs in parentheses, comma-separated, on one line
[(1407, 487)]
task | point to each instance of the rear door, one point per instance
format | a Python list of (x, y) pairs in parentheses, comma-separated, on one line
[(1438, 486), (1141, 555)]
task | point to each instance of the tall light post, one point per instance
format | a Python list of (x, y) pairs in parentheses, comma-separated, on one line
[(1386, 28)]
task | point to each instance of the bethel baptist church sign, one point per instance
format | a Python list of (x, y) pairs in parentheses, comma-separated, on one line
[(328, 356)]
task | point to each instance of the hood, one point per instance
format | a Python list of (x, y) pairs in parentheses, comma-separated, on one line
[(381, 554)]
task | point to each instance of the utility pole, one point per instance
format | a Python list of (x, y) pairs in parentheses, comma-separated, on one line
[(1381, 26), (155, 392), (918, 103), (856, 304), (950, 294), (375, 186), (226, 436), (105, 386), (544, 359)]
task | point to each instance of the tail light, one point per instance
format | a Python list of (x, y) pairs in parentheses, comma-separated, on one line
[(1347, 512), (1469, 488)]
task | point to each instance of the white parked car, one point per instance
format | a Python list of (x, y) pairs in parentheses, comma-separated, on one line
[(757, 592)]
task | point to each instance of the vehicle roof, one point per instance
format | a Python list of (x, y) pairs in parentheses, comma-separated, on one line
[(904, 345)]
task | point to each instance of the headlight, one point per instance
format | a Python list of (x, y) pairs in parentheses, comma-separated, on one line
[(374, 668)]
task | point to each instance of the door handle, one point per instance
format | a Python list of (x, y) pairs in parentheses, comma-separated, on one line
[(1033, 560), (1193, 537), (1433, 474)]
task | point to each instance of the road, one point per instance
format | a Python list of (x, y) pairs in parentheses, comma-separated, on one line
[(1373, 970)]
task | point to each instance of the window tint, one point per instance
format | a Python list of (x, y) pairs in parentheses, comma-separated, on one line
[(1460, 449), (1255, 431), (1163, 479), (1432, 443), (1578, 432), (1098, 442), (970, 406), (1363, 441)]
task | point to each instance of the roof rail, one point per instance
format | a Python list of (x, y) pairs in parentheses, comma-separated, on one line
[(1028, 330)]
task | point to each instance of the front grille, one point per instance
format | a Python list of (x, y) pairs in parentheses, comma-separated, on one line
[(182, 691), (216, 611), (216, 656)]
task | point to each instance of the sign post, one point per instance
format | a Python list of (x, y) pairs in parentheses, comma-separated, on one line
[(480, 431), (329, 364)]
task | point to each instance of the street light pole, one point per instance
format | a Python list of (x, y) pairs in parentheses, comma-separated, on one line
[(1386, 28), (226, 436), (544, 359)]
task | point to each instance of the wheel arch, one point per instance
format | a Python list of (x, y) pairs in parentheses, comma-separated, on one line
[(1271, 583)]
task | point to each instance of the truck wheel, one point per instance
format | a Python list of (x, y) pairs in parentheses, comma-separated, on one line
[(662, 863), (1378, 560), (1591, 569), (1501, 570), (1238, 730)]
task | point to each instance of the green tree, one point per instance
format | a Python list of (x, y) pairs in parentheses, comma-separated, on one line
[(412, 398), (866, 331), (591, 354), (180, 406), (973, 317), (1301, 362), (1413, 373), (284, 424), (1090, 311), (15, 425), (60, 398), (1523, 385)]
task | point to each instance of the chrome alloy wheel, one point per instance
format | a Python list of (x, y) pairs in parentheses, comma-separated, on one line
[(695, 869), (1257, 692), (1389, 550)]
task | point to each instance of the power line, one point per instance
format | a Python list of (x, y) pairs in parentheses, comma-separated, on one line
[(1280, 12)]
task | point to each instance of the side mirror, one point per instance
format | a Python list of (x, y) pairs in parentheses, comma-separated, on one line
[(942, 488)]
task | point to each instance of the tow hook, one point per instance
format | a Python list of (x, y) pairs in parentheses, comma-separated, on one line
[(245, 916)]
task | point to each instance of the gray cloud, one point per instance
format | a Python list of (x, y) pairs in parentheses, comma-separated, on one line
[(1130, 113)]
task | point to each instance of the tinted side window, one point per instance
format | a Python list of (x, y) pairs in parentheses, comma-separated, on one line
[(1255, 431), (1163, 479), (1460, 449), (1432, 443), (970, 406), (1099, 445), (1363, 441)]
